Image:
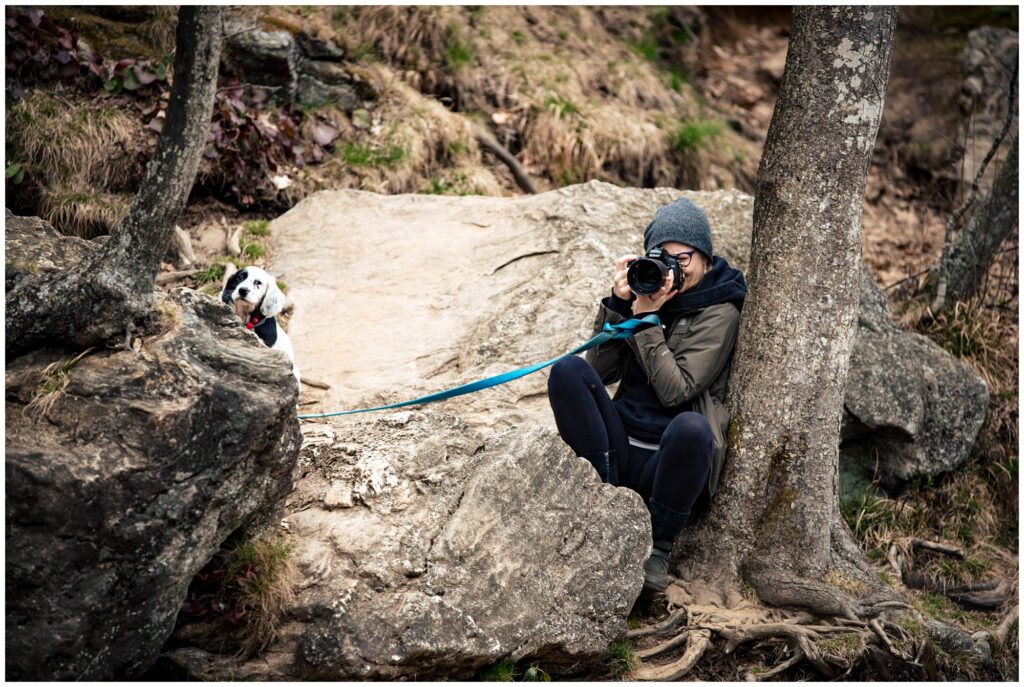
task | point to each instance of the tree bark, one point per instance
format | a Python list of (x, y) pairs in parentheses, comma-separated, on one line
[(92, 302), (775, 521), (967, 260)]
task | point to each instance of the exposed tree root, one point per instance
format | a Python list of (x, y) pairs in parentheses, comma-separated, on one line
[(678, 616), (989, 594), (832, 644), (695, 646)]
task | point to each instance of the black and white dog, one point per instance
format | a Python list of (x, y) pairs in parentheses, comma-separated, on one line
[(256, 300)]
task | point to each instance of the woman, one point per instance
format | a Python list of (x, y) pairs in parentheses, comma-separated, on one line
[(663, 435)]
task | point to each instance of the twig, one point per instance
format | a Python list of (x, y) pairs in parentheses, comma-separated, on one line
[(249, 85), (907, 278), (316, 383)]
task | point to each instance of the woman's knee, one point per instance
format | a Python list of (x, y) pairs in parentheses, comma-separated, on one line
[(569, 370), (689, 429)]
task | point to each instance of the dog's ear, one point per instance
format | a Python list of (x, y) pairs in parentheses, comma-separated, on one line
[(273, 302), (231, 280)]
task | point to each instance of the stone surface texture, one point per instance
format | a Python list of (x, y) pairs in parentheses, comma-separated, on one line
[(127, 473)]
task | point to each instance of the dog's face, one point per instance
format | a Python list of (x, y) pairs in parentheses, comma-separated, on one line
[(251, 288)]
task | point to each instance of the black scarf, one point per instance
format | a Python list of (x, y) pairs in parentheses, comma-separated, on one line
[(721, 284)]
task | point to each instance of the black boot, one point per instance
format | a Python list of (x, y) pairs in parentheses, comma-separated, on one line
[(607, 466), (665, 525)]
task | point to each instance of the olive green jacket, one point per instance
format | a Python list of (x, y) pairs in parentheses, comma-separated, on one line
[(690, 364)]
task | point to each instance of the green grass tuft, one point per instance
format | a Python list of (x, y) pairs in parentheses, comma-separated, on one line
[(620, 658), (560, 106), (257, 227), (360, 155), (253, 251), (692, 136)]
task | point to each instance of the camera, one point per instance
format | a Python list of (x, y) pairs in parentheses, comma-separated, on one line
[(646, 274)]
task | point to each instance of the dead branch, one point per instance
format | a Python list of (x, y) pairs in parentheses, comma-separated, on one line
[(1003, 629), (168, 277), (316, 383), (229, 271), (944, 549), (183, 245), (490, 144), (988, 594), (235, 242), (942, 268)]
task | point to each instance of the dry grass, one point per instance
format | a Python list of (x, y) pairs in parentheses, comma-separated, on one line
[(266, 577), (412, 139), (54, 379), (571, 100), (82, 159)]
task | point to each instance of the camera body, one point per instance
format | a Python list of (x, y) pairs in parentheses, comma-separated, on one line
[(645, 275)]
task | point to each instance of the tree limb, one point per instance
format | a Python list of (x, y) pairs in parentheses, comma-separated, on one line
[(89, 303)]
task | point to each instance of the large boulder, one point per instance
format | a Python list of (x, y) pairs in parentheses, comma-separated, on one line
[(912, 409), (126, 470), (479, 285), (425, 551)]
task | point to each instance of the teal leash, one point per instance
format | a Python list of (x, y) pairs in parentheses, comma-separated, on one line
[(621, 330)]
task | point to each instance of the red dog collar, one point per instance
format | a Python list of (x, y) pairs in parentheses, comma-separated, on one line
[(251, 324)]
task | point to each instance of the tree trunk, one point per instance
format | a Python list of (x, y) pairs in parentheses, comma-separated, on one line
[(967, 260), (100, 298), (775, 521)]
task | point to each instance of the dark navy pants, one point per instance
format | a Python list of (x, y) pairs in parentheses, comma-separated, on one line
[(674, 475)]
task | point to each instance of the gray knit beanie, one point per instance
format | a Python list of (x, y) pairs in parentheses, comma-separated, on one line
[(682, 221)]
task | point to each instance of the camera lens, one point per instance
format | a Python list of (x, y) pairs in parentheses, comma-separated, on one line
[(645, 276)]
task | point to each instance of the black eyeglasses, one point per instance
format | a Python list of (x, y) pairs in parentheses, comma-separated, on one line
[(683, 258)]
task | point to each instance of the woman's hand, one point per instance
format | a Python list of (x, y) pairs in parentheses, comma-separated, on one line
[(621, 286), (654, 301)]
